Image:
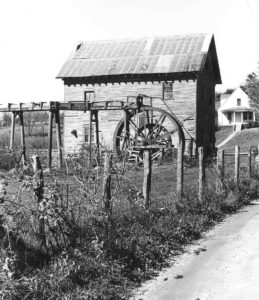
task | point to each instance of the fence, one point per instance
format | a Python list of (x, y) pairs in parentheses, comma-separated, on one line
[(151, 182)]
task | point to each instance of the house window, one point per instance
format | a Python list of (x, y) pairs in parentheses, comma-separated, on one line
[(238, 102), (229, 117), (89, 96), (87, 133), (247, 116), (167, 90)]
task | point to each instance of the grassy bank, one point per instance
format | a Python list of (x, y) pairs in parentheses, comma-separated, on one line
[(91, 255)]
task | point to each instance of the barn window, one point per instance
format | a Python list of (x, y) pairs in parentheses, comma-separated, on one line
[(238, 102), (89, 96), (167, 90), (87, 133)]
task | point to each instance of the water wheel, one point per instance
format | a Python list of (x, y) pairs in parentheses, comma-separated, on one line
[(147, 127)]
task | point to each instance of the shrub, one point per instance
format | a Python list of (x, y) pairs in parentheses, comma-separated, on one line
[(91, 255)]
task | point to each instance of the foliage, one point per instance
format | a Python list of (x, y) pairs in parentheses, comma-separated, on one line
[(251, 87), (88, 254), (7, 119), (31, 118)]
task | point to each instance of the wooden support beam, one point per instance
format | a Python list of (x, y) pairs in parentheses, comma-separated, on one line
[(12, 131), (22, 137), (50, 139), (97, 136), (147, 177), (58, 136)]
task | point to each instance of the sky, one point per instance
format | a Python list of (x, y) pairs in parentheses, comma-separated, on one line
[(37, 36)]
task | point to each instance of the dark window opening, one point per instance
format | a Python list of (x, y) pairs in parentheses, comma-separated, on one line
[(247, 116), (238, 102), (167, 90)]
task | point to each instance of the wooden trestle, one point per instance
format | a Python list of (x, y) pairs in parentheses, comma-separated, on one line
[(54, 108)]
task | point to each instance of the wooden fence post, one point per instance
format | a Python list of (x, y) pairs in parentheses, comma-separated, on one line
[(249, 161), (38, 188), (201, 173), (147, 177), (221, 163), (50, 139), (58, 136), (179, 186), (12, 131), (22, 137), (237, 163), (107, 205), (220, 169), (257, 165)]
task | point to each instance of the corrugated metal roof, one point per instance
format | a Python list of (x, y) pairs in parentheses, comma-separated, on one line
[(140, 56)]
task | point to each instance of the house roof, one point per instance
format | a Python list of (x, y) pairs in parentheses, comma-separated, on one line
[(184, 55)]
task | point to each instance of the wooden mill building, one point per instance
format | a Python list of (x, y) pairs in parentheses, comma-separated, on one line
[(182, 70)]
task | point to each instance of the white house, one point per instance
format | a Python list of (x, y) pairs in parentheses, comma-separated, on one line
[(236, 109)]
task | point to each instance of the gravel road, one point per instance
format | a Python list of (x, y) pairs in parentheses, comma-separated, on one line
[(222, 266)]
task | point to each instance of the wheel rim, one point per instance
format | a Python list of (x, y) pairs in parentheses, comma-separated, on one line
[(148, 126)]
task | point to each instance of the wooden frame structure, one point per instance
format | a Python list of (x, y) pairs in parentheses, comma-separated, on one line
[(54, 109)]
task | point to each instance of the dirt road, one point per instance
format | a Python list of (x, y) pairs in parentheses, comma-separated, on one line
[(227, 270)]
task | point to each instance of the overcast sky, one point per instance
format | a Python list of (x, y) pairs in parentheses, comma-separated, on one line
[(38, 35)]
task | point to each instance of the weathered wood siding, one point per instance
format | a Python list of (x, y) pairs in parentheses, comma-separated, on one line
[(206, 107), (183, 106)]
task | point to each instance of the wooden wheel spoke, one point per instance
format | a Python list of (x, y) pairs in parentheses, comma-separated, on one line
[(134, 125), (147, 126), (167, 134), (158, 124)]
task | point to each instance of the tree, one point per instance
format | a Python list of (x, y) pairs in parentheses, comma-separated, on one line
[(29, 121), (7, 120), (251, 87)]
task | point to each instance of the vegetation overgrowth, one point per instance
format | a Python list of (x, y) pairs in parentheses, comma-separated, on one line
[(86, 252)]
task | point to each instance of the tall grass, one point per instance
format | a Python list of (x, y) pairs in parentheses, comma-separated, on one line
[(89, 255)]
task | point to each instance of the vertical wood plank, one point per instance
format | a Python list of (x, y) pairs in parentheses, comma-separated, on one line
[(147, 177), (201, 173), (12, 131), (249, 160), (179, 184), (237, 163), (50, 139), (22, 137), (58, 135)]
